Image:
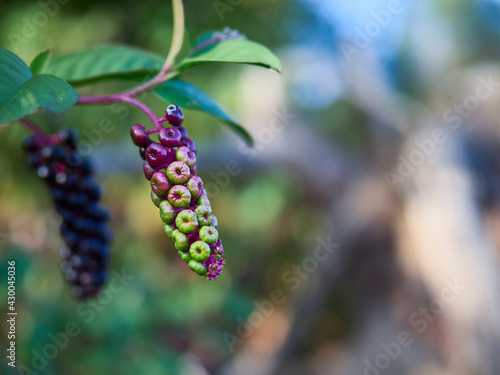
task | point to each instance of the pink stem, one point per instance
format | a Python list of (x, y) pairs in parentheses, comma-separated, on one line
[(126, 98), (32, 127)]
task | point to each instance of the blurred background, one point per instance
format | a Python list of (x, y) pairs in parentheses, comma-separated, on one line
[(361, 232)]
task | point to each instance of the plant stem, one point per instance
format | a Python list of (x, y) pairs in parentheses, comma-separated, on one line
[(32, 127), (126, 98)]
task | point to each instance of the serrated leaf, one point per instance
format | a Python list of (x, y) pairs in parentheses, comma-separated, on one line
[(235, 51), (40, 62), (189, 96), (39, 92), (104, 63)]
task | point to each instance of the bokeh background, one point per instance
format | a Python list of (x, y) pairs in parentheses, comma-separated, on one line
[(378, 145)]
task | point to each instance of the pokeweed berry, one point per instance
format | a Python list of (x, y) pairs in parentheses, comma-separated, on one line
[(174, 115), (76, 197), (180, 195)]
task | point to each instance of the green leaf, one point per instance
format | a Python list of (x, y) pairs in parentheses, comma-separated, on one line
[(236, 51), (40, 62), (21, 93), (178, 32), (188, 96), (105, 63), (13, 73), (39, 92)]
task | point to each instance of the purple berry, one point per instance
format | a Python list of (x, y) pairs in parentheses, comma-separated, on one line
[(160, 183), (170, 137), (139, 136), (174, 115), (183, 131), (149, 171), (156, 154)]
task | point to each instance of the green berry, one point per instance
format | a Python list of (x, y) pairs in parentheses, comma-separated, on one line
[(185, 256), (167, 213), (186, 221), (215, 222), (156, 198), (179, 196), (203, 201), (204, 214), (199, 251), (180, 240), (197, 267), (178, 172), (169, 229), (209, 234)]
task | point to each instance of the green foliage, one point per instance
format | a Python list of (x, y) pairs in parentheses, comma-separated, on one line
[(105, 63), (235, 51), (22, 94), (189, 96), (40, 62)]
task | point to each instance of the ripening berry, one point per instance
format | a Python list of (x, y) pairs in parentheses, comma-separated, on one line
[(195, 187), (209, 234), (156, 154), (186, 221), (139, 136), (178, 172), (167, 213), (170, 137), (187, 156), (179, 196), (174, 115), (160, 183)]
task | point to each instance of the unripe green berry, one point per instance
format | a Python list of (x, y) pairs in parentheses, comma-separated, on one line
[(179, 196), (215, 222), (180, 240), (169, 229), (209, 234), (203, 201), (186, 221), (167, 213), (156, 198), (178, 172), (199, 251), (204, 214), (185, 256), (197, 267)]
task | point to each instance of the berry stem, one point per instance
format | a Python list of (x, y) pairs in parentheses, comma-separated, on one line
[(126, 98), (32, 127)]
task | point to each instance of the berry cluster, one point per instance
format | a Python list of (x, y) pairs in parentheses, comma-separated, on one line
[(178, 192), (76, 196)]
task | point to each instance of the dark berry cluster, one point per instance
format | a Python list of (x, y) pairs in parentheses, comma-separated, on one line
[(76, 196), (178, 192)]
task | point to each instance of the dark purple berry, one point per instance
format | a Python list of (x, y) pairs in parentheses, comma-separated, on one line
[(149, 171), (160, 183), (183, 131), (139, 135), (170, 137), (142, 153), (156, 154), (174, 115)]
